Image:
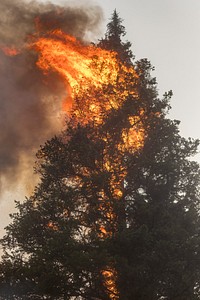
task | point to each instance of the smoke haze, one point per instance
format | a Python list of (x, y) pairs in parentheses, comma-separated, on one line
[(30, 102)]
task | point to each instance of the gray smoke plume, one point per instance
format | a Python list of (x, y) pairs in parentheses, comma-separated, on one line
[(29, 105)]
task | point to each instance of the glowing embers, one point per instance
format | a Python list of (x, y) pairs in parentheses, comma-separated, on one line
[(52, 225), (110, 277)]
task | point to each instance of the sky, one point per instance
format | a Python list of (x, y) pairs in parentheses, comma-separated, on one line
[(166, 32)]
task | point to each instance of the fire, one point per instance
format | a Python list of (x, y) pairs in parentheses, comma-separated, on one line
[(110, 280), (52, 225), (83, 69), (10, 51), (81, 66), (88, 71)]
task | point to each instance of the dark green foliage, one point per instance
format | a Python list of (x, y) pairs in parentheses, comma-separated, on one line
[(113, 39), (161, 245)]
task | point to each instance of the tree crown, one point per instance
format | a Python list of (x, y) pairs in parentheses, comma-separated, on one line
[(113, 39)]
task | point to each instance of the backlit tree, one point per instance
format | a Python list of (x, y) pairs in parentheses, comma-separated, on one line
[(116, 212)]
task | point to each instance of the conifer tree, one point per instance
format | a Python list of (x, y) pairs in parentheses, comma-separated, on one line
[(116, 214), (113, 39)]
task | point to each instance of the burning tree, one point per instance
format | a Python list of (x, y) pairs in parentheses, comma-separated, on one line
[(115, 215)]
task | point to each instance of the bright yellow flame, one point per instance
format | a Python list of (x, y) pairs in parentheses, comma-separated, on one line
[(82, 66), (133, 137), (96, 83)]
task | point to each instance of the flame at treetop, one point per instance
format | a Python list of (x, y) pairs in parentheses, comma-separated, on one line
[(82, 67), (10, 51), (96, 83)]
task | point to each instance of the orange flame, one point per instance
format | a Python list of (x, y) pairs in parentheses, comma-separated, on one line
[(81, 66), (52, 225), (85, 70), (12, 51), (110, 283)]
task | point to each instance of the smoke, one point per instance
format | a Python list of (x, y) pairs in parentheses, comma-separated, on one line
[(30, 102)]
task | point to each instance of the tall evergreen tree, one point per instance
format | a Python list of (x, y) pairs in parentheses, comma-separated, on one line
[(116, 214)]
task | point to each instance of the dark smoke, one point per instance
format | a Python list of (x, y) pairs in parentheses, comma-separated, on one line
[(29, 101)]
